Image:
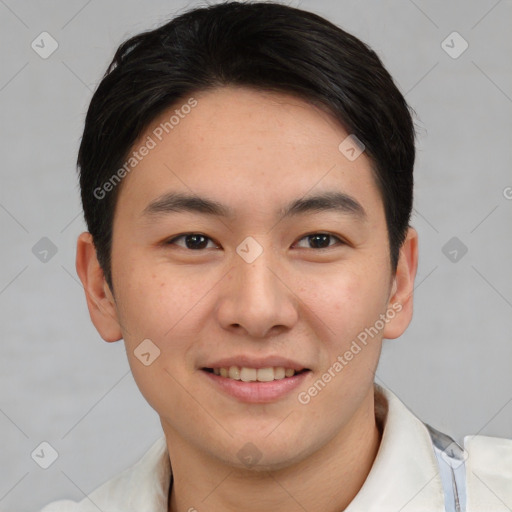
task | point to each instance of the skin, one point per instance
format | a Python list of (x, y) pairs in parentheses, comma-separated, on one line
[(254, 152)]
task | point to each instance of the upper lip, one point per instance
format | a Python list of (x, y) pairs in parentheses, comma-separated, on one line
[(256, 362)]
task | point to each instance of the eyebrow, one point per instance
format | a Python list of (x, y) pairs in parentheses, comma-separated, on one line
[(176, 202)]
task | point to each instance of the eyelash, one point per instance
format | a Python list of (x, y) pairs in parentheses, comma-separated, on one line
[(340, 241)]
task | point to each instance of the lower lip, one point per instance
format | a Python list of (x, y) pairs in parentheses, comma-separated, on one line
[(257, 392)]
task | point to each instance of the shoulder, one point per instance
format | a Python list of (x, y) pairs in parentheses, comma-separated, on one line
[(488, 472), (478, 442), (104, 498), (143, 487), (86, 505), (61, 506), (484, 452)]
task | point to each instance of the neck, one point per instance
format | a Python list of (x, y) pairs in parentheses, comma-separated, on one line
[(328, 480)]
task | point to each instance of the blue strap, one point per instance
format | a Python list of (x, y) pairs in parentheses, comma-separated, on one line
[(452, 469)]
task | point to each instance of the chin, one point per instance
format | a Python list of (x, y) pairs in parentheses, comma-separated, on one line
[(261, 454)]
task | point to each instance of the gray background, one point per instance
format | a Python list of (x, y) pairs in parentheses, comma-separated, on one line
[(59, 382)]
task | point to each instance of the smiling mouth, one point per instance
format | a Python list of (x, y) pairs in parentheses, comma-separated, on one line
[(246, 374)]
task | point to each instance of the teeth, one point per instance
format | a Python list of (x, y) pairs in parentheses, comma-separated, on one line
[(279, 373), (254, 374), (234, 373), (248, 374), (265, 374)]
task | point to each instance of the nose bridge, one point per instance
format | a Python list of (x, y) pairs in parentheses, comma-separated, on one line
[(257, 286), (255, 298), (256, 280)]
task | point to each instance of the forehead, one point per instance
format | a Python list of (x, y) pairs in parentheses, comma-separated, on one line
[(252, 148)]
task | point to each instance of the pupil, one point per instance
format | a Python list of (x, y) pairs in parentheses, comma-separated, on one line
[(323, 238), (191, 241)]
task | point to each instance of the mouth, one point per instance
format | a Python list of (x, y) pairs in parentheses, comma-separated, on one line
[(247, 374), (256, 385)]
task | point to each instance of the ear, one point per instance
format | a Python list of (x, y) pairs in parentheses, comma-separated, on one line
[(401, 295), (100, 301)]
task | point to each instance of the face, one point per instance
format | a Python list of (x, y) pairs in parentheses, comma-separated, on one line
[(262, 281)]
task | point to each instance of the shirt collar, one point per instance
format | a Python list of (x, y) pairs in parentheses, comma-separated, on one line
[(404, 476)]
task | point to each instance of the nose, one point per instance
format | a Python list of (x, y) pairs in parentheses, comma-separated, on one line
[(256, 300)]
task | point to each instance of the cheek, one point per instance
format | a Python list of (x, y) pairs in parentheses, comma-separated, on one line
[(347, 301), (150, 302), (160, 310), (345, 308), (170, 309)]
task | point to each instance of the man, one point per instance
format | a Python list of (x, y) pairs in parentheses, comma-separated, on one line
[(246, 173)]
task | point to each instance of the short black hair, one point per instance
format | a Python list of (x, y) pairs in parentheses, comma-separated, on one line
[(265, 46)]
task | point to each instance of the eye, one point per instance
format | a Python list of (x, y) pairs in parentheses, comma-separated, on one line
[(193, 241), (198, 241), (321, 240)]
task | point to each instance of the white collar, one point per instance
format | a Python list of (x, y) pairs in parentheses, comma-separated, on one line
[(405, 474)]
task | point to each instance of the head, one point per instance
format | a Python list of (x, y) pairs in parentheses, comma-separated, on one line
[(246, 175)]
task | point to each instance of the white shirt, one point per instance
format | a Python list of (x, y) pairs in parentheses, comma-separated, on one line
[(405, 476)]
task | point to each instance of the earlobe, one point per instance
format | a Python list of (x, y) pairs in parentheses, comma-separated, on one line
[(100, 302), (401, 296)]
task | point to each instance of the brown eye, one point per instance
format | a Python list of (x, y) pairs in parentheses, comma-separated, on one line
[(192, 241), (321, 240)]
